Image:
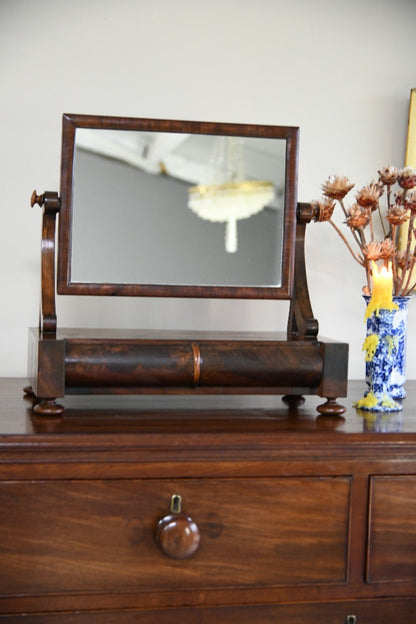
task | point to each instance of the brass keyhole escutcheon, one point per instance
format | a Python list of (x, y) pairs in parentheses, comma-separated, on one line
[(176, 504), (351, 619), (177, 534)]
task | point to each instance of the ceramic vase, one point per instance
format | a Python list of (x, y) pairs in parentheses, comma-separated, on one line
[(385, 366), (398, 376)]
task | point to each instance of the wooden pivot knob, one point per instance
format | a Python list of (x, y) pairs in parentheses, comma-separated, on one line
[(177, 534), (37, 199)]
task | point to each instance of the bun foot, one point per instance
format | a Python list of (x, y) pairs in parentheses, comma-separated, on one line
[(28, 392), (48, 407), (293, 400), (331, 408)]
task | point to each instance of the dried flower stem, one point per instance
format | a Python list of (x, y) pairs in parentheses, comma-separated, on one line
[(363, 242), (393, 232), (344, 210), (354, 255), (371, 222), (411, 289), (388, 194), (406, 289)]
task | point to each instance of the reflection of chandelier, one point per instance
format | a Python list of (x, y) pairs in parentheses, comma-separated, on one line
[(225, 196)]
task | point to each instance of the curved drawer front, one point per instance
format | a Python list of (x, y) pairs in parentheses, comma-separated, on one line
[(188, 364), (100, 535)]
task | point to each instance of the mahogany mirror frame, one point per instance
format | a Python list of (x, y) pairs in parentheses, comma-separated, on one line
[(65, 285)]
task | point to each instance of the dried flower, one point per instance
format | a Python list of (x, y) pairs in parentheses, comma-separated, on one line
[(400, 197), (401, 260), (369, 195), (325, 208), (358, 217), (336, 187), (396, 215), (386, 249), (409, 201), (388, 175), (407, 178), (373, 251), (360, 221)]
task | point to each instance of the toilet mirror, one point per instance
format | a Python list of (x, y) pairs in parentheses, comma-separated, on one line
[(176, 208)]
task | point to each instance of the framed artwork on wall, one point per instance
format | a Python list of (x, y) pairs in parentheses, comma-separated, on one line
[(410, 159)]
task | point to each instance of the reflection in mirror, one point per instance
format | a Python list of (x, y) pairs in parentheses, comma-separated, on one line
[(177, 208)]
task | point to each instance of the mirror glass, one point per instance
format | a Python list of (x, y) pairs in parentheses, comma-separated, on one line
[(177, 209)]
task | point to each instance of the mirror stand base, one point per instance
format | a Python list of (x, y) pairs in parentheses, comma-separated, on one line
[(98, 361)]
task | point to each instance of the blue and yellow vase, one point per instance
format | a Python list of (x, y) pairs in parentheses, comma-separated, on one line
[(385, 355)]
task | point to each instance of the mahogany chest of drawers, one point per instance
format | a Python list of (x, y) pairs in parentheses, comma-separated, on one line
[(299, 518)]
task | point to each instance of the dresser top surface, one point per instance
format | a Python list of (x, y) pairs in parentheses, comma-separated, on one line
[(196, 415)]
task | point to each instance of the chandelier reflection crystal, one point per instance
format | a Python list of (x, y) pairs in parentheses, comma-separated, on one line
[(225, 196)]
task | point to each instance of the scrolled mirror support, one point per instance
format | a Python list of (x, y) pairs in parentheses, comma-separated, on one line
[(301, 323), (50, 202)]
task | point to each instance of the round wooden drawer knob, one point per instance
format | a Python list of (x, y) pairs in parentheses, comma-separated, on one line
[(177, 534)]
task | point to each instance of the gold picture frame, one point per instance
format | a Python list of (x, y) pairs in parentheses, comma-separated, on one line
[(410, 158)]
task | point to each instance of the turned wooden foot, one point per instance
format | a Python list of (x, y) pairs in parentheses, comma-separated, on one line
[(293, 400), (331, 408), (48, 407), (28, 392)]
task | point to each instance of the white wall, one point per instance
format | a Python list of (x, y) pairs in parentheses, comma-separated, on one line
[(341, 70)]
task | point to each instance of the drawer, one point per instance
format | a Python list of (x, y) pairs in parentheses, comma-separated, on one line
[(98, 536), (388, 610), (391, 552)]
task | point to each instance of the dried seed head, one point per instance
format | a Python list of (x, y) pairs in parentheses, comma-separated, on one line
[(358, 217), (386, 249), (336, 187), (407, 178), (397, 215), (401, 260), (388, 175), (373, 251), (369, 195), (325, 208), (409, 201)]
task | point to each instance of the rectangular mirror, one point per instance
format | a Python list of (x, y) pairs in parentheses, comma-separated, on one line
[(176, 208)]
